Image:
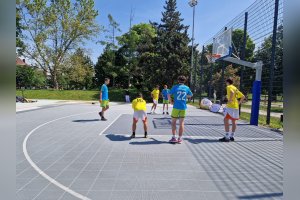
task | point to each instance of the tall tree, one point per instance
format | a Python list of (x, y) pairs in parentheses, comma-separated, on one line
[(78, 71), (172, 46), (19, 27), (54, 28), (135, 48)]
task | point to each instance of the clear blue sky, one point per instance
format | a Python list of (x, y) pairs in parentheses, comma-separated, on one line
[(211, 16)]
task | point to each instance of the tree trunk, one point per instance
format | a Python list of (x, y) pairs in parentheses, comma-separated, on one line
[(54, 81)]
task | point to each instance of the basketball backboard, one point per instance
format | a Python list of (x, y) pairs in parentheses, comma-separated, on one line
[(222, 45)]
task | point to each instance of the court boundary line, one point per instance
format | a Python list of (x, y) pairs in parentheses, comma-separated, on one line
[(42, 173), (110, 124)]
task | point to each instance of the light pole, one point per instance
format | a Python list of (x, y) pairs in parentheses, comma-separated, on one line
[(193, 4)]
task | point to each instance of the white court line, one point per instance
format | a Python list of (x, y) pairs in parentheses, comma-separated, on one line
[(72, 192), (110, 124)]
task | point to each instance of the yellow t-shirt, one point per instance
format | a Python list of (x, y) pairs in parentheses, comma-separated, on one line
[(139, 104), (237, 94), (155, 94)]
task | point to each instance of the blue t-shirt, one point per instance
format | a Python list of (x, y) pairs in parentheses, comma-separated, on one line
[(165, 93), (104, 90), (180, 92)]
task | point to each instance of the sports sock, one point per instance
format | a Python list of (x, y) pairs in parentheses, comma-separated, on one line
[(232, 134), (227, 135)]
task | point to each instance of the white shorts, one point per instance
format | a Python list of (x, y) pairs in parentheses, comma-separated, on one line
[(140, 114), (155, 101), (233, 113)]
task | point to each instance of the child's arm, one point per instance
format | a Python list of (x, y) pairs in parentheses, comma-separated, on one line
[(230, 96)]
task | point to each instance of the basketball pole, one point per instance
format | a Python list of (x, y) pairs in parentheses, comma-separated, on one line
[(193, 4)]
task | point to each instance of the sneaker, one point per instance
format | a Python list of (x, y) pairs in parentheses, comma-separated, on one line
[(173, 140), (103, 119), (179, 140), (224, 139), (167, 113), (163, 113), (100, 113), (132, 136), (145, 136), (231, 139)]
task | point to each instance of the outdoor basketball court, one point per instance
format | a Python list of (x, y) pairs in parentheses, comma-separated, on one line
[(65, 152)]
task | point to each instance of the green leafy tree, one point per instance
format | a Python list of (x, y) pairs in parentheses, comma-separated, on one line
[(136, 46), (264, 54), (78, 71), (105, 66), (54, 28), (19, 27), (230, 71), (24, 76), (39, 79)]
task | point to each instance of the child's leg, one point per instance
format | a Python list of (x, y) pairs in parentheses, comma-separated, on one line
[(155, 106), (145, 125), (181, 126), (167, 107), (174, 126), (134, 122), (226, 124), (233, 127), (152, 106), (164, 107)]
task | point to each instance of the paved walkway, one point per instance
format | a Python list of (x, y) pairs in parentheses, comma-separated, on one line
[(65, 152)]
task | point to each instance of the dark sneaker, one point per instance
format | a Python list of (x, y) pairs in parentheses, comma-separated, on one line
[(100, 113), (167, 113), (224, 139), (103, 119), (145, 136), (132, 136), (231, 139), (163, 113)]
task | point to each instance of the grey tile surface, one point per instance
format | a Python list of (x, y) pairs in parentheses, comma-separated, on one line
[(112, 167)]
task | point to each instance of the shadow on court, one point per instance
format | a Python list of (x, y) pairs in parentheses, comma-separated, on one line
[(198, 140), (260, 196), (86, 120), (152, 141), (114, 137)]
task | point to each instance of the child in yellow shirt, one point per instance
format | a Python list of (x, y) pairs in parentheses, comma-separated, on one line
[(232, 109), (155, 96), (139, 107)]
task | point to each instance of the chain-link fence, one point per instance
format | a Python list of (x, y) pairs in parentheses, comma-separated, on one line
[(259, 23)]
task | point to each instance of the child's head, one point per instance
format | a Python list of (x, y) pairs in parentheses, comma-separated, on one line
[(181, 79), (157, 86), (165, 86), (140, 95), (229, 81), (106, 80)]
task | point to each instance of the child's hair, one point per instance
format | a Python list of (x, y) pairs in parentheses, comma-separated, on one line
[(181, 79), (140, 95), (229, 80), (157, 86), (106, 79)]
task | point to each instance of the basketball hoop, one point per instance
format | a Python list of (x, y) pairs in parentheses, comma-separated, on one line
[(216, 56)]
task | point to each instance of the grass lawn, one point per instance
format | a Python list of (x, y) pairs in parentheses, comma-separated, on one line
[(85, 95), (274, 121), (275, 109)]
